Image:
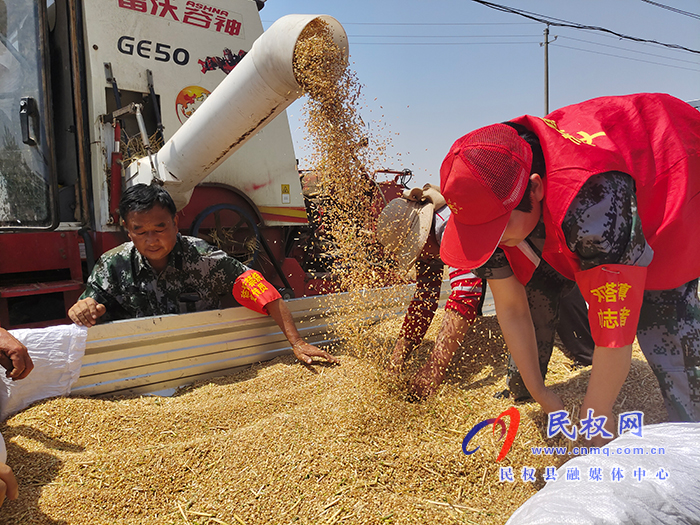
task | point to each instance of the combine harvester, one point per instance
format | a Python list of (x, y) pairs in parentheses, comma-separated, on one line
[(79, 81)]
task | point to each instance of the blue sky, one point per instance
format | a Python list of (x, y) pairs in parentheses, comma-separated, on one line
[(434, 70)]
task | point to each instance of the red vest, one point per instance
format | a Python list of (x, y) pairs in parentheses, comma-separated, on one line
[(655, 138)]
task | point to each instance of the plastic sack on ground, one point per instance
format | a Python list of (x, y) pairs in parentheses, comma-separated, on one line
[(655, 487), (57, 353)]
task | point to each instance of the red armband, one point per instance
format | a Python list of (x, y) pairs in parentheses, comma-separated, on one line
[(614, 293), (465, 295), (254, 292)]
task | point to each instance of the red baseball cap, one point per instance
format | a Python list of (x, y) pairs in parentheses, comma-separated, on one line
[(483, 178)]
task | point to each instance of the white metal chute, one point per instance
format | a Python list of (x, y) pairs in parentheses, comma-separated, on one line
[(258, 89)]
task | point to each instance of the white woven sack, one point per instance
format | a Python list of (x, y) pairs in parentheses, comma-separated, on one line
[(57, 353)]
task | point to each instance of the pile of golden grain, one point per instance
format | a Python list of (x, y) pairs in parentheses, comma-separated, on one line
[(283, 443)]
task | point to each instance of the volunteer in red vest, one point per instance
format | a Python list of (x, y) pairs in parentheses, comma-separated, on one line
[(411, 228), (603, 191)]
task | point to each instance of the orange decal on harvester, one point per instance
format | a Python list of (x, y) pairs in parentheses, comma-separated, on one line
[(586, 138), (188, 100)]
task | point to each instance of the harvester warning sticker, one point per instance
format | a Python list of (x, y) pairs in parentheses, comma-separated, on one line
[(285, 194)]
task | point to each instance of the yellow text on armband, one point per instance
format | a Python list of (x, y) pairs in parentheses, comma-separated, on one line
[(613, 318), (611, 292), (251, 280), (254, 291)]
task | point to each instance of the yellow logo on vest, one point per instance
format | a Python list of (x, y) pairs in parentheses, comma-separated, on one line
[(586, 138)]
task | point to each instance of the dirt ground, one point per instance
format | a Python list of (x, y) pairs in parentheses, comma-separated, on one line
[(284, 443)]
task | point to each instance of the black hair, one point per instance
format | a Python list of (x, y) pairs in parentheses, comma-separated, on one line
[(143, 197), (538, 163)]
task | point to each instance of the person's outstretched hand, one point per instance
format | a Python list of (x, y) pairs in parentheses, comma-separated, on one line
[(305, 353), (8, 484), (86, 312), (14, 357)]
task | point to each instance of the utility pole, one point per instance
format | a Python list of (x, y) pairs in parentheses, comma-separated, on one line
[(546, 69)]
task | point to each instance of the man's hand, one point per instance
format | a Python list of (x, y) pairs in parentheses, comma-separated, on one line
[(86, 312), (304, 352), (549, 401), (8, 484), (608, 373), (427, 381), (14, 357), (402, 349)]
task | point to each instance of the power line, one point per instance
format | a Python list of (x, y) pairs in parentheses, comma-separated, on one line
[(564, 23), (538, 42), (612, 37), (421, 24), (627, 58), (438, 43), (673, 9), (417, 37), (694, 62), (443, 36), (514, 36), (436, 23)]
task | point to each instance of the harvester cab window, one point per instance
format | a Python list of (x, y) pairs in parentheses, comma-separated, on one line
[(27, 176)]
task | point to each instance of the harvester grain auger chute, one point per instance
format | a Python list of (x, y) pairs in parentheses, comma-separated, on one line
[(260, 87)]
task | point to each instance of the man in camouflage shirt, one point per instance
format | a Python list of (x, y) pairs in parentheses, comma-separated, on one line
[(161, 272), (196, 278), (602, 191)]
